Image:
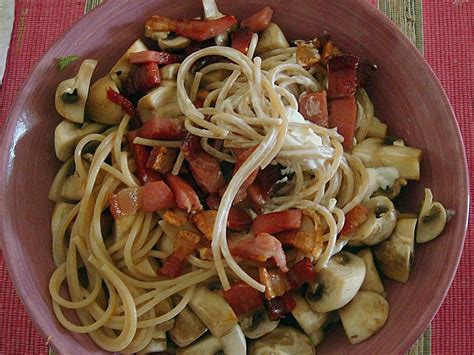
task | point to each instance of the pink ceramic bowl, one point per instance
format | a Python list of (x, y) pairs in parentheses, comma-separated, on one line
[(406, 94)]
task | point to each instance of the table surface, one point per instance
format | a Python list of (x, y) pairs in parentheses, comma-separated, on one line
[(442, 29)]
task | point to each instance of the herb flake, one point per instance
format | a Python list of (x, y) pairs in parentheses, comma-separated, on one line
[(63, 62)]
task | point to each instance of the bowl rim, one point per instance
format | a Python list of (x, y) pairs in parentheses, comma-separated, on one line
[(7, 141)]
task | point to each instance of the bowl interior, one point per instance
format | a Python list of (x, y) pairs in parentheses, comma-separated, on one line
[(406, 95)]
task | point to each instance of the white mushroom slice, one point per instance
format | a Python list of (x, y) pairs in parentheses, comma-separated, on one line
[(271, 38), (231, 344), (214, 311), (395, 255), (68, 134), (214, 76), (160, 102), (211, 12), (337, 283), (379, 224), (377, 128), (66, 170), (366, 150), (364, 316), (73, 188), (257, 324), (405, 159), (283, 341), (170, 71), (432, 219), (310, 321), (99, 107), (172, 43), (187, 328), (71, 94), (162, 308), (121, 227), (122, 67), (372, 280), (154, 346)]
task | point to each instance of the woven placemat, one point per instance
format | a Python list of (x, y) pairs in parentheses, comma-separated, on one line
[(442, 29)]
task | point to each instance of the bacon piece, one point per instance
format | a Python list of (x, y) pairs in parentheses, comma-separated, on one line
[(241, 40), (161, 58), (204, 167), (163, 128), (276, 283), (125, 202), (196, 46), (261, 248), (162, 159), (141, 154), (186, 198), (143, 78), (354, 218), (276, 222), (329, 49), (156, 196), (259, 20), (238, 219), (198, 30), (241, 158), (300, 273), (342, 76), (279, 307), (186, 243), (173, 265), (213, 201), (308, 243), (242, 298), (175, 218), (343, 116), (121, 100), (313, 107), (256, 195), (204, 221)]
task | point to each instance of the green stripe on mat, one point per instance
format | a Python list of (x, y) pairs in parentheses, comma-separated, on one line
[(407, 14)]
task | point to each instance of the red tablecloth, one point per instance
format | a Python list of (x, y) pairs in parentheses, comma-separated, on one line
[(448, 31)]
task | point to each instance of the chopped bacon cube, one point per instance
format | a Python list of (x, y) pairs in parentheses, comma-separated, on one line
[(300, 273), (276, 222), (259, 20), (162, 159), (163, 128), (141, 155), (120, 100), (343, 116), (313, 107), (279, 307), (204, 221), (173, 265), (276, 283), (241, 40), (125, 202), (342, 76), (186, 197), (161, 58), (242, 298), (238, 219), (143, 78), (186, 242), (156, 196), (175, 218)]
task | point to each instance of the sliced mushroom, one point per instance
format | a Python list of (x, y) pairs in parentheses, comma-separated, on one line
[(257, 324), (214, 76), (395, 255), (148, 267), (122, 67), (122, 226), (337, 283), (231, 344), (213, 311), (162, 308), (71, 94), (283, 340), (366, 149), (271, 38), (187, 328), (99, 107), (310, 321), (67, 185), (155, 345), (372, 280), (66, 170), (393, 191), (167, 41), (364, 316), (379, 224), (170, 71), (377, 128), (432, 219), (68, 134), (160, 102)]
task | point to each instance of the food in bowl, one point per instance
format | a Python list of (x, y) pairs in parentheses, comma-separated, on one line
[(228, 188)]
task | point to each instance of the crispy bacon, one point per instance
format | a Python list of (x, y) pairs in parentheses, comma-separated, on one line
[(163, 129), (204, 221), (261, 248), (279, 307), (213, 201), (343, 115), (162, 159), (328, 50), (198, 30), (121, 100), (300, 273), (259, 20), (241, 40), (173, 265), (264, 185), (276, 222), (125, 202), (238, 219), (276, 283), (313, 107), (175, 218), (161, 58), (143, 78), (186, 198), (354, 218), (141, 154), (242, 298)]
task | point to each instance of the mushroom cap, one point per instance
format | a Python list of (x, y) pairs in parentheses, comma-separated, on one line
[(283, 341), (99, 107)]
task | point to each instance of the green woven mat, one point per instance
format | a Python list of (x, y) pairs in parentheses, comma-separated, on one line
[(407, 15)]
